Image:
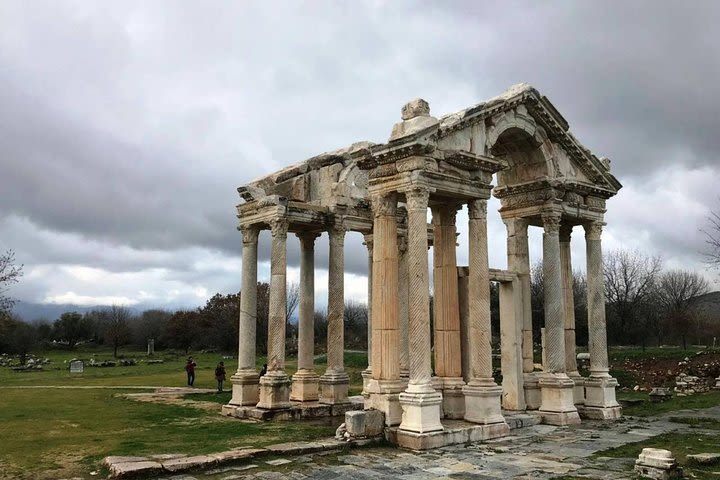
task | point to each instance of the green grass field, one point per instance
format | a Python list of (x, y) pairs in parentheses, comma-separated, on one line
[(65, 432)]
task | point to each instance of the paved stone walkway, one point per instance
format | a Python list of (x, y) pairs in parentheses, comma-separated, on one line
[(537, 452)]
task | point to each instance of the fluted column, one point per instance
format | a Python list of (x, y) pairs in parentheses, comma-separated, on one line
[(245, 380), (275, 384), (448, 361), (600, 399), (305, 380), (482, 394), (420, 402), (334, 382), (385, 385), (566, 275), (367, 373), (558, 406)]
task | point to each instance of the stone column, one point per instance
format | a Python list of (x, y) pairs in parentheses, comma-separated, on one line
[(566, 275), (305, 380), (275, 384), (334, 382), (558, 406), (382, 392), (245, 381), (448, 362), (420, 402), (511, 345), (403, 306), (518, 259), (482, 394), (600, 399), (367, 373)]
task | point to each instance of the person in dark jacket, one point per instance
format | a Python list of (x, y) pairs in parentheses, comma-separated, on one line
[(190, 369), (220, 376)]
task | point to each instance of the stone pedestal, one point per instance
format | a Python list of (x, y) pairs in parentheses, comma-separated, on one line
[(421, 411), (274, 391), (579, 388), (482, 404), (600, 402), (531, 387), (558, 406), (384, 395), (304, 386), (334, 388), (245, 388), (453, 398), (658, 464)]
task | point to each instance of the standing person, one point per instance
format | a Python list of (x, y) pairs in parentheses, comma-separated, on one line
[(220, 376), (190, 369)]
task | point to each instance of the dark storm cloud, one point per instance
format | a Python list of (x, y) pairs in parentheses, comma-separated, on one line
[(130, 124)]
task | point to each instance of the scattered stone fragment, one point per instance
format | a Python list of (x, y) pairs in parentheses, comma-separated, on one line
[(704, 458), (657, 464)]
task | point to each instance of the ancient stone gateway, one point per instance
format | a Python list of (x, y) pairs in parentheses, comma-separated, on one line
[(545, 178)]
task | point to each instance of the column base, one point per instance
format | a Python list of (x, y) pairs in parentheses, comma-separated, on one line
[(384, 395), (245, 388), (304, 386), (482, 402), (334, 387), (579, 388), (558, 406), (274, 391), (531, 387), (421, 412), (453, 399), (600, 402)]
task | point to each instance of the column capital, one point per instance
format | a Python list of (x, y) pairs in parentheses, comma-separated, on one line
[(279, 227), (384, 204), (551, 222), (565, 233), (444, 215), (477, 209), (307, 239), (368, 237), (337, 229), (593, 230), (416, 197), (250, 234)]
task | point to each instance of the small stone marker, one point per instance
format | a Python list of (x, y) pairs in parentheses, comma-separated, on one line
[(660, 394), (658, 464), (151, 347), (77, 366)]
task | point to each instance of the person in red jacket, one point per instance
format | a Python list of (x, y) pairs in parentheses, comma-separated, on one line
[(190, 369)]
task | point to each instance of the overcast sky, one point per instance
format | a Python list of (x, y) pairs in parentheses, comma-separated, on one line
[(126, 127)]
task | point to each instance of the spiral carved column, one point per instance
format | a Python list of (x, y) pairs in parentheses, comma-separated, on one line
[(600, 399), (558, 406), (275, 384), (420, 402), (482, 394)]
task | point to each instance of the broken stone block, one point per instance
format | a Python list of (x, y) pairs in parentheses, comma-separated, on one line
[(704, 458), (355, 423), (374, 423), (657, 464), (134, 469), (660, 394)]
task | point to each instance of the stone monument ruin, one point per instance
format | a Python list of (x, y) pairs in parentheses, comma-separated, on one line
[(545, 178)]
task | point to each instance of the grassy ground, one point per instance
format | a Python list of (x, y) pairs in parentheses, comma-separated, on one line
[(681, 444), (65, 432), (648, 408)]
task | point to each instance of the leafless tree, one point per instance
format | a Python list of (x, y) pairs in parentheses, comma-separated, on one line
[(676, 291), (9, 273), (712, 239), (630, 279), (293, 299), (115, 321)]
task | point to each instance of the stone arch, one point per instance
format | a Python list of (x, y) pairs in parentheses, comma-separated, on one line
[(354, 182), (515, 138)]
